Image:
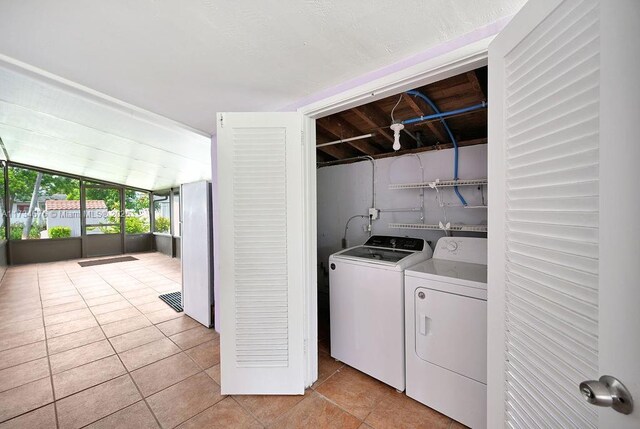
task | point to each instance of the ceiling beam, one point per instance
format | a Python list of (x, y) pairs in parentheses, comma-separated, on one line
[(435, 129), (438, 147), (341, 129), (475, 83), (337, 151), (324, 157), (422, 149), (375, 118)]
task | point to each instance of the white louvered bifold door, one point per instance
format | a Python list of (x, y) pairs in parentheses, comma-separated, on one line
[(545, 89), (260, 248), (564, 229)]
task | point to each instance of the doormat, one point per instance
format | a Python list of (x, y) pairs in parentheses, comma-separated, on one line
[(106, 261), (173, 300)]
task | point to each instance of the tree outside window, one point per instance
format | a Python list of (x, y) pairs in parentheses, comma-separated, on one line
[(137, 219), (40, 202)]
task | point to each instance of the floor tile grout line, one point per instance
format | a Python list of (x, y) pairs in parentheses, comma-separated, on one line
[(125, 368), (121, 363), (24, 384), (332, 374), (122, 351), (127, 372), (248, 410), (46, 344), (179, 348), (117, 411), (127, 299), (22, 363), (77, 347), (27, 412), (341, 407), (377, 401), (12, 322), (223, 397), (166, 387), (22, 345)]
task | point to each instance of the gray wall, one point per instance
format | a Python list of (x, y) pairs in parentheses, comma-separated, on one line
[(177, 248), (164, 244), (136, 243), (3, 257), (49, 250), (60, 249)]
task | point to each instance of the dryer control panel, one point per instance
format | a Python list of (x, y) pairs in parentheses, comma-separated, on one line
[(463, 249)]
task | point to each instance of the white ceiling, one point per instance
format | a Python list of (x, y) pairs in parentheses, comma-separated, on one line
[(188, 59), (49, 125)]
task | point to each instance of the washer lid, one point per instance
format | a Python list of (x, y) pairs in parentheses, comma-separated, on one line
[(376, 254), (462, 273)]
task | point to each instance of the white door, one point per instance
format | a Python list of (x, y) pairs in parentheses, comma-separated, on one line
[(260, 190), (564, 242), (195, 254)]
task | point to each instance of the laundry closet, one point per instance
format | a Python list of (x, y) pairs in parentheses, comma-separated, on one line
[(402, 225)]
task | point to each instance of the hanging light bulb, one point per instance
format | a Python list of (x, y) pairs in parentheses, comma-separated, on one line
[(396, 127)]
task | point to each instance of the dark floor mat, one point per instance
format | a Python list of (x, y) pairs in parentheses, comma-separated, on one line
[(173, 300), (106, 261)]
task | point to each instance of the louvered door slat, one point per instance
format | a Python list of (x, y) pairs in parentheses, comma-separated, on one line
[(260, 208), (551, 84), (266, 186)]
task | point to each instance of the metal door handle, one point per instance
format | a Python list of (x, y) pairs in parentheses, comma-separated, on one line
[(607, 392)]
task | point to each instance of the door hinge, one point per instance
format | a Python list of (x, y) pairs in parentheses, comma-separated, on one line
[(221, 121)]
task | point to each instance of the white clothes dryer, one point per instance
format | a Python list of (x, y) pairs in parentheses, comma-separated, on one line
[(446, 330)]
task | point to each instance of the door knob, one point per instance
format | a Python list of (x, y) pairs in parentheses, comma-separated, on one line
[(607, 392)]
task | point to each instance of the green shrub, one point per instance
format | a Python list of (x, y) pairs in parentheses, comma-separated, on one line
[(34, 232), (136, 225), (15, 232), (163, 224), (60, 232)]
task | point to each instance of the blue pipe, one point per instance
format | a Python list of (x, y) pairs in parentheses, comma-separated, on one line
[(441, 116), (445, 114)]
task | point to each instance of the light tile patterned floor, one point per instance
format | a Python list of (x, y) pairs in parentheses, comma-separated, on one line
[(95, 347)]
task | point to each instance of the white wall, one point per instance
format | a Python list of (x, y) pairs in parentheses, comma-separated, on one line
[(71, 218), (345, 190)]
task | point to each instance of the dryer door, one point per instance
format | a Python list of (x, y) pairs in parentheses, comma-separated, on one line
[(451, 332)]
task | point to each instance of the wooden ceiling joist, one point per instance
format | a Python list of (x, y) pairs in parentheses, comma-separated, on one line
[(341, 129), (473, 78), (420, 111), (455, 92), (337, 151), (376, 119), (415, 150)]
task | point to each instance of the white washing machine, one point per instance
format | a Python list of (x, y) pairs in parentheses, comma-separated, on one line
[(446, 335), (366, 293)]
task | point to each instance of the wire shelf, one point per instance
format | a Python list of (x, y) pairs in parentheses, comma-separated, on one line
[(440, 184), (458, 228)]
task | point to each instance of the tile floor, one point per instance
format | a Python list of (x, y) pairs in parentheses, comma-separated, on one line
[(95, 347)]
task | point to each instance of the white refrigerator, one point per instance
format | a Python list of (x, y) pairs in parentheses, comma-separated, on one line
[(197, 251)]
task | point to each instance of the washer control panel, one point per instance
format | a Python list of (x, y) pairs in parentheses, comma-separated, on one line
[(399, 243)]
